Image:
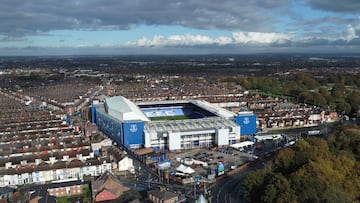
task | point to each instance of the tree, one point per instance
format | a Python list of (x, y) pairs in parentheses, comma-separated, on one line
[(346, 138), (253, 183), (310, 83), (284, 160), (324, 92), (313, 170), (319, 99), (246, 84), (354, 101), (277, 189), (338, 91), (343, 107)]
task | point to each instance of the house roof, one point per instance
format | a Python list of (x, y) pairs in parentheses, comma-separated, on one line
[(126, 159), (6, 190), (109, 182), (162, 194), (105, 195)]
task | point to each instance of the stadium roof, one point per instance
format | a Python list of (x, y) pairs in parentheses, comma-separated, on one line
[(189, 125), (223, 113), (245, 113), (123, 109), (162, 102)]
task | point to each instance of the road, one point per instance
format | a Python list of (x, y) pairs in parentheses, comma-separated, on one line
[(230, 188)]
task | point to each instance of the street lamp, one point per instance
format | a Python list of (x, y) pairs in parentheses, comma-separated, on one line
[(195, 189)]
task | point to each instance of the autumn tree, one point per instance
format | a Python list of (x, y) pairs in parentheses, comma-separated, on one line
[(313, 170)]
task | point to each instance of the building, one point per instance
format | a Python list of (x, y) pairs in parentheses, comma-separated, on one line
[(162, 195), (107, 187), (44, 172), (247, 122), (172, 125), (63, 191), (6, 193), (38, 158), (126, 164), (48, 193)]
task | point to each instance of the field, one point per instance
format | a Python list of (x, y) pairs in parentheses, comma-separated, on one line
[(167, 118)]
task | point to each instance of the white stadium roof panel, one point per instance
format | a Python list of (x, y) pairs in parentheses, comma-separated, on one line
[(214, 109), (124, 110)]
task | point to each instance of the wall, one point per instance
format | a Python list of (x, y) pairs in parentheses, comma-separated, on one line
[(222, 137), (174, 141), (93, 114), (247, 124), (111, 127), (133, 133)]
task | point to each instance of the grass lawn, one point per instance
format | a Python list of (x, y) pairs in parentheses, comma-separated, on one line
[(62, 200)]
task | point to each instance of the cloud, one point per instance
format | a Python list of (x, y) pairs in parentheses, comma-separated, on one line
[(251, 25), (21, 18), (351, 33), (11, 39), (335, 5), (254, 41), (258, 37), (200, 45), (195, 40), (179, 40)]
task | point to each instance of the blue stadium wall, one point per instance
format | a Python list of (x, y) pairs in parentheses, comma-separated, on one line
[(93, 114), (247, 124), (112, 128), (133, 133), (127, 134)]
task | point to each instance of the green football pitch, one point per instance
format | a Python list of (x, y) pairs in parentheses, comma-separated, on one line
[(166, 118)]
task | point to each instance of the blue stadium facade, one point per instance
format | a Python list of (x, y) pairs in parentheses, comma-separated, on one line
[(118, 120), (247, 123)]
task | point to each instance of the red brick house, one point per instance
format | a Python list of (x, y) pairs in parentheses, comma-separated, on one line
[(107, 187)]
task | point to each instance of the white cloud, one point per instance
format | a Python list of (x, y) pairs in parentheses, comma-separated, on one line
[(155, 41), (193, 40), (223, 40), (260, 37), (189, 39), (351, 33), (180, 40)]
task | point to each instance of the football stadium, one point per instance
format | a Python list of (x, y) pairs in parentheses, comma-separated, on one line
[(172, 125)]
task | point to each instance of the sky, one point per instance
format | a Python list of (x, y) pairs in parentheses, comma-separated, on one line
[(118, 27)]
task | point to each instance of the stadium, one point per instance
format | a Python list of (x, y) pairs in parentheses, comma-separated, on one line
[(172, 125)]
